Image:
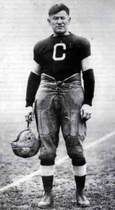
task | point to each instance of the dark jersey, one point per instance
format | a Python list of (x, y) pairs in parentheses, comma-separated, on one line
[(61, 56)]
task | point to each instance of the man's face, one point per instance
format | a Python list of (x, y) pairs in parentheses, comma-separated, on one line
[(59, 22)]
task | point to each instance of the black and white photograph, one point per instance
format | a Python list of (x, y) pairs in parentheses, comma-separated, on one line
[(57, 105)]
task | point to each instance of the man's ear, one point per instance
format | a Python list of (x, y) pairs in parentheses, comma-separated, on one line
[(69, 19), (49, 21)]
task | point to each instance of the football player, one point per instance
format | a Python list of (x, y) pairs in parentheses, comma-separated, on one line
[(61, 101)]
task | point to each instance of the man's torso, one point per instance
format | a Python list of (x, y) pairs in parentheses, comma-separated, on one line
[(61, 56)]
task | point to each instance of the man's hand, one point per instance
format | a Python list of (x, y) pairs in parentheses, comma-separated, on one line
[(85, 112), (29, 114)]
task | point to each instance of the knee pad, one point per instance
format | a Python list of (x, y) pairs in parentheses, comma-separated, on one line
[(78, 162), (47, 149), (77, 156), (74, 148), (47, 157)]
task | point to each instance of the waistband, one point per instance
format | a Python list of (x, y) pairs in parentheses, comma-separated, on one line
[(74, 77)]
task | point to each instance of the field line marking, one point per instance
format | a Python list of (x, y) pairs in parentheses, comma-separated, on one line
[(23, 179), (27, 177), (100, 140)]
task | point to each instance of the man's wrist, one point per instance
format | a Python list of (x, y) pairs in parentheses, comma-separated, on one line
[(88, 101), (29, 104)]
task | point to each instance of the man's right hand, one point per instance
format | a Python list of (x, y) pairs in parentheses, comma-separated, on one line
[(29, 114)]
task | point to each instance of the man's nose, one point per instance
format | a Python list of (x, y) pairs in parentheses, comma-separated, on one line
[(59, 21)]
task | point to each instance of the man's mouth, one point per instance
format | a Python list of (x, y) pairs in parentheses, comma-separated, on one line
[(60, 27)]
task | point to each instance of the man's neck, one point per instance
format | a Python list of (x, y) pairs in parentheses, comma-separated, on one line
[(64, 34)]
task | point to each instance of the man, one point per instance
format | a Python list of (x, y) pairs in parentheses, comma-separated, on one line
[(60, 100)]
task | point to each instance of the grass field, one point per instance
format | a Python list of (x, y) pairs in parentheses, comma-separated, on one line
[(25, 194)]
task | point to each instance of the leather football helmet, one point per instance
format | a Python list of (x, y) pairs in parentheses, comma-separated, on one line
[(26, 144)]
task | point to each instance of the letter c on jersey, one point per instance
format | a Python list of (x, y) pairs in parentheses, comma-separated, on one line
[(63, 54)]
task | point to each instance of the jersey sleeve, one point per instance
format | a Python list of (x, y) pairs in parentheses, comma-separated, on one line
[(36, 54), (85, 49)]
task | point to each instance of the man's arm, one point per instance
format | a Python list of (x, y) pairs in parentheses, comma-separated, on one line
[(89, 83), (32, 87), (89, 80)]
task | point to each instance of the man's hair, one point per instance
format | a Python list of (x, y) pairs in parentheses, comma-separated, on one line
[(57, 8)]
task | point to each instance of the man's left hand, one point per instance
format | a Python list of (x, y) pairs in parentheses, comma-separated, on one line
[(85, 112)]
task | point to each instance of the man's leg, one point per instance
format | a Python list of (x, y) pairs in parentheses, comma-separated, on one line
[(47, 166), (79, 169), (48, 129), (74, 132), (47, 174), (75, 152)]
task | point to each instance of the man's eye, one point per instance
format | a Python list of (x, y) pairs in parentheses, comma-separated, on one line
[(55, 18), (63, 18)]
